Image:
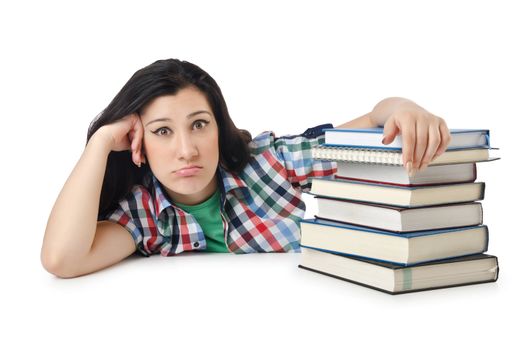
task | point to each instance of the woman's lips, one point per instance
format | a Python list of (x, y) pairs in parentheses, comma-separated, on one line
[(188, 171)]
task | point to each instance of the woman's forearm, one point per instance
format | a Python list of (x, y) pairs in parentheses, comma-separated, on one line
[(72, 223)]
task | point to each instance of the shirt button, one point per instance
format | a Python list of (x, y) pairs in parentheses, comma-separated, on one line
[(196, 244)]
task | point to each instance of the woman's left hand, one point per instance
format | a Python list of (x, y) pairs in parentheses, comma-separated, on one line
[(425, 136)]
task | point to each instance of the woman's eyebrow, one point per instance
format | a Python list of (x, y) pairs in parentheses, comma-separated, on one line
[(158, 120), (198, 112), (168, 119)]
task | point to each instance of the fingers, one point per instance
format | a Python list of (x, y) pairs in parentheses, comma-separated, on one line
[(446, 139), (131, 135), (408, 131), (138, 139), (390, 131), (438, 137), (435, 139), (135, 137), (422, 140), (424, 136), (407, 128)]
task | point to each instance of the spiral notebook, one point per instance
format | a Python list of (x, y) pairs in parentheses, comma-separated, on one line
[(392, 157)]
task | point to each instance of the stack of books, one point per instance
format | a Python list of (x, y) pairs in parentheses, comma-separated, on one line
[(379, 227)]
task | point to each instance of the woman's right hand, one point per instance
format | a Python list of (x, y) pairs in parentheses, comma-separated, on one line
[(125, 134)]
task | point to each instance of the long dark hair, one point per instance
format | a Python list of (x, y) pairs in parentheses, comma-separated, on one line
[(163, 77)]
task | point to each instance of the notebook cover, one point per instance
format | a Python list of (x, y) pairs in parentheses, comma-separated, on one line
[(351, 148)]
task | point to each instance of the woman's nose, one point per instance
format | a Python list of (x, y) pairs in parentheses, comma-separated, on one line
[(185, 147)]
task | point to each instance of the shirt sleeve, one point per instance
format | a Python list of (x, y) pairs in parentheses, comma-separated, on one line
[(135, 214), (295, 153)]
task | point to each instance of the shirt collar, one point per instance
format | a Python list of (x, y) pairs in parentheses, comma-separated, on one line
[(161, 201), (227, 180), (230, 181)]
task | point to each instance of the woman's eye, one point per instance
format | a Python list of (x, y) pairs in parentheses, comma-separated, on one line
[(200, 124), (162, 131)]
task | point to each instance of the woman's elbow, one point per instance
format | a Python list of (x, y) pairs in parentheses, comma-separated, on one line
[(57, 266)]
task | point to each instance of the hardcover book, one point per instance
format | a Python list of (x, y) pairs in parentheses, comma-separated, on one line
[(396, 279), (372, 138), (398, 248), (401, 196), (399, 219), (395, 175)]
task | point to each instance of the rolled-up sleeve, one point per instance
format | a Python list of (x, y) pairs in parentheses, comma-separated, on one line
[(295, 152), (135, 214)]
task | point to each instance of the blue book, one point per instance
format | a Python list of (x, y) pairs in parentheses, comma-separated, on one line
[(371, 138), (398, 248)]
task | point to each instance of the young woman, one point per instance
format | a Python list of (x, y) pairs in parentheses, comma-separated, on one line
[(165, 170)]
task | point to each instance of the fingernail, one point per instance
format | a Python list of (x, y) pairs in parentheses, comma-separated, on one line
[(383, 140)]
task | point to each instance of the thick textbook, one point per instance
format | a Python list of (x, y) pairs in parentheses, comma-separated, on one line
[(388, 157), (397, 248), (395, 279), (401, 196), (372, 138), (395, 175), (399, 219)]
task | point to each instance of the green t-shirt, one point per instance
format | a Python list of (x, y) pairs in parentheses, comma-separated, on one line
[(208, 216)]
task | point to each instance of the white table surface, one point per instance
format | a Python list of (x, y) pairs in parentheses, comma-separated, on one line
[(254, 300)]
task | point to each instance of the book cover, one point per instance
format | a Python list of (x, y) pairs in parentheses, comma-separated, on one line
[(401, 196), (372, 138), (394, 279), (398, 219), (406, 248), (395, 175)]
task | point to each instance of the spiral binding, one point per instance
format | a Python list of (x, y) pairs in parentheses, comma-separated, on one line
[(358, 155)]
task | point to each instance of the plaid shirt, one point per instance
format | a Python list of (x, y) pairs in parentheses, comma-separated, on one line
[(261, 206)]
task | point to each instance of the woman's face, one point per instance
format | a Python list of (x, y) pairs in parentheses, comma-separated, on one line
[(180, 143)]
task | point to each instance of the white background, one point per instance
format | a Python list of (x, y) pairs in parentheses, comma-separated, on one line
[(283, 66)]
